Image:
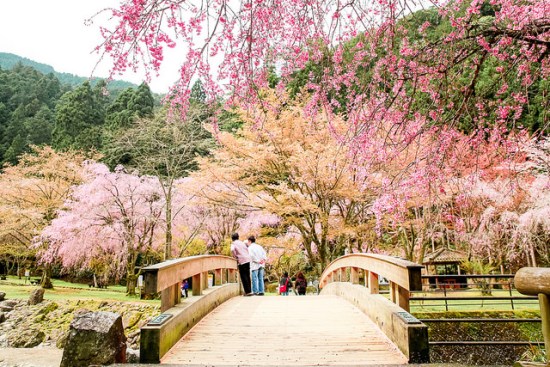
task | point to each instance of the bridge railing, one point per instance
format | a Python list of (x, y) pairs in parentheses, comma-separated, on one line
[(403, 276), (355, 277), (177, 318), (165, 277), (536, 282)]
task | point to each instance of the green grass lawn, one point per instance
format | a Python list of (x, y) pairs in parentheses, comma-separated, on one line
[(16, 288), (458, 304)]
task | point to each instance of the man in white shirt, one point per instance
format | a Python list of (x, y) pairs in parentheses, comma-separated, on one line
[(240, 252), (258, 258)]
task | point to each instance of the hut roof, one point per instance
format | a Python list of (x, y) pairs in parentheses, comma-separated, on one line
[(445, 256)]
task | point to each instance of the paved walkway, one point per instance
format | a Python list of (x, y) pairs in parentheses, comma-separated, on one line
[(290, 331), (30, 357)]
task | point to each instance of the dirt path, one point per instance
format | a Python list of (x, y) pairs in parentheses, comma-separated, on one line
[(30, 357)]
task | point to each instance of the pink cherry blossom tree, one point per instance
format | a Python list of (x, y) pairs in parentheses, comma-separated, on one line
[(223, 209), (406, 82), (390, 65), (499, 212), (115, 217)]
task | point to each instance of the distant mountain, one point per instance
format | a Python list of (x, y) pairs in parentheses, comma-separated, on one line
[(8, 61)]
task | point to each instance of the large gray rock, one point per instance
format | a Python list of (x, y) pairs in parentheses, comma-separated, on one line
[(95, 338), (37, 296)]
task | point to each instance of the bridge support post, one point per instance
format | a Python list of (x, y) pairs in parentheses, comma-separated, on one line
[(204, 280), (354, 276), (197, 284), (403, 296), (232, 276), (393, 292), (218, 280), (170, 296), (544, 303), (373, 282), (399, 296)]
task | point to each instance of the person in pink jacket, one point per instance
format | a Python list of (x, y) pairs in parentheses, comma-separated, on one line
[(239, 250)]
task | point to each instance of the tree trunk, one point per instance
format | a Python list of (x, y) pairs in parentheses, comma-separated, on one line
[(9, 267), (131, 277), (131, 280), (527, 257), (533, 255), (168, 245), (46, 281)]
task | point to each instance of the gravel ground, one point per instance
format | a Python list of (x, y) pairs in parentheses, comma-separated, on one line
[(30, 357)]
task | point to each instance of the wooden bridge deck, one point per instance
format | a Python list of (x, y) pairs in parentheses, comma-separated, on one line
[(289, 331)]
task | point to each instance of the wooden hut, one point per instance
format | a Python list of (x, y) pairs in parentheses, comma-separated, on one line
[(442, 264)]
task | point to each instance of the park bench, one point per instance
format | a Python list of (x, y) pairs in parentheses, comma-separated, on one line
[(35, 281), (99, 285)]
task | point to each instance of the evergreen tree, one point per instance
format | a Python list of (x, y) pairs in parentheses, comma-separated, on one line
[(16, 148), (75, 115), (197, 92), (142, 102), (118, 114), (39, 127), (48, 90), (101, 98)]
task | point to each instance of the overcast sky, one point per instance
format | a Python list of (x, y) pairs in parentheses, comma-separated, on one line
[(53, 32)]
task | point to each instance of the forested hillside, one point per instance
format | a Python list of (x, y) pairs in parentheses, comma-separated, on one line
[(8, 61), (40, 109)]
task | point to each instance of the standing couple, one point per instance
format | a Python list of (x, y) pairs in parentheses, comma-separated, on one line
[(251, 258)]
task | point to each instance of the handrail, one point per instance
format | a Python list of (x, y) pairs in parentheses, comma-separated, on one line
[(166, 276), (446, 276), (391, 315), (161, 333), (403, 276), (536, 282), (484, 320)]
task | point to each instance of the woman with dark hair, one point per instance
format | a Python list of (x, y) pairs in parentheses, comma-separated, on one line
[(285, 284), (239, 250), (301, 284)]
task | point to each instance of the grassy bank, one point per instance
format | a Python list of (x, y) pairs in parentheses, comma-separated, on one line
[(16, 288)]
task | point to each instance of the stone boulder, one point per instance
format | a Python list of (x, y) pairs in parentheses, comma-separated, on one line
[(37, 296), (28, 338), (95, 338), (8, 305), (2, 296)]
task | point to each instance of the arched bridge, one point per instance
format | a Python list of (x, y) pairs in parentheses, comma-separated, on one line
[(349, 323)]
